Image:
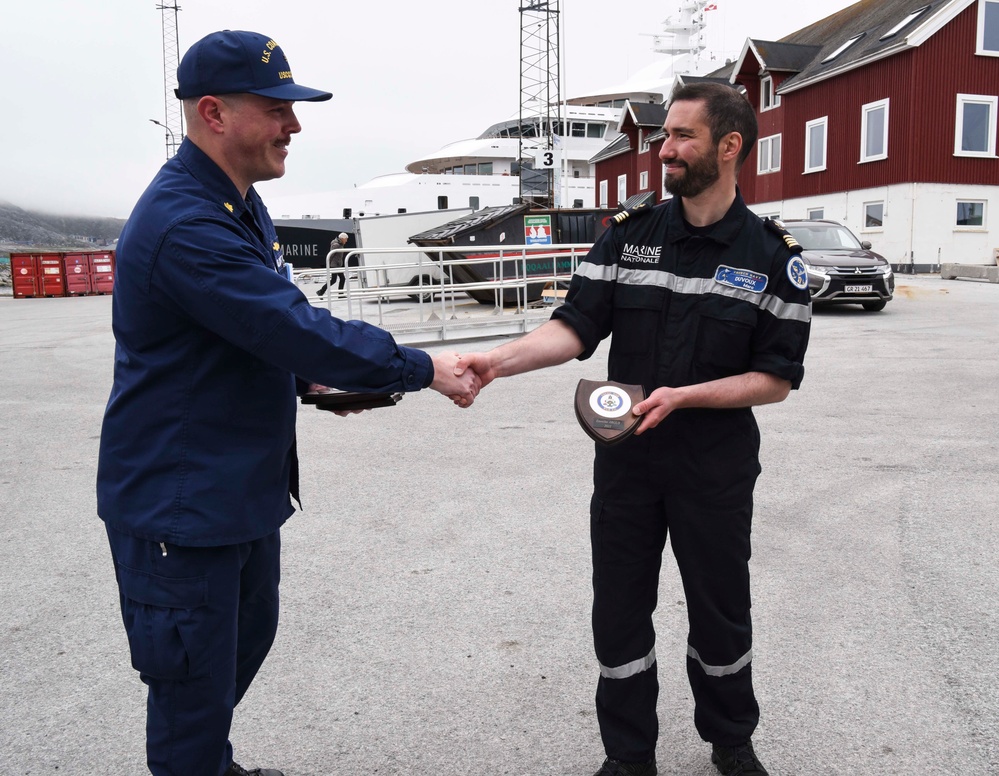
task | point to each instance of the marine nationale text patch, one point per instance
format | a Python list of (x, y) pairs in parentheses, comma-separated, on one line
[(741, 278)]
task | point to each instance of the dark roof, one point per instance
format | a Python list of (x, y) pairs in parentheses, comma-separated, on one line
[(446, 233), (620, 145), (791, 57), (867, 21), (647, 114), (644, 197)]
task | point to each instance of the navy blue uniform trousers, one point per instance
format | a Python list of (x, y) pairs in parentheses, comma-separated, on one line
[(646, 492), (200, 621)]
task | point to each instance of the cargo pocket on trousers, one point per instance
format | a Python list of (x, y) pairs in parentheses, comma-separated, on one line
[(166, 623)]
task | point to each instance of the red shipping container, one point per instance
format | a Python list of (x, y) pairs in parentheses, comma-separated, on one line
[(24, 274), (76, 267), (102, 272), (50, 274)]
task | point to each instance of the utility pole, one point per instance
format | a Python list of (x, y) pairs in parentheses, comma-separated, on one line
[(540, 103), (173, 115)]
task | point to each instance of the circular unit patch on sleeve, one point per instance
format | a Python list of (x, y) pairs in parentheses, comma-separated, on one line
[(797, 273)]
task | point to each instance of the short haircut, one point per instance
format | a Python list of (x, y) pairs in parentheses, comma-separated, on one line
[(725, 109)]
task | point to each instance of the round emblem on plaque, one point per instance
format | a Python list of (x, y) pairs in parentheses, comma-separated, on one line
[(609, 401)]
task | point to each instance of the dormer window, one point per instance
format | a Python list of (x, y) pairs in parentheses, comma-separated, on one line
[(904, 23), (988, 28), (769, 98), (842, 48)]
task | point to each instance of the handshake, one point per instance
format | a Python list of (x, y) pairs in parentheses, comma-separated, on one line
[(460, 378)]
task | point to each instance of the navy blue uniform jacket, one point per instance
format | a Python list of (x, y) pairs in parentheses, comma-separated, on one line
[(198, 442)]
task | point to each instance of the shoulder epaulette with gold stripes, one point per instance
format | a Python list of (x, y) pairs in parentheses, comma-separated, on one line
[(776, 226), (624, 215)]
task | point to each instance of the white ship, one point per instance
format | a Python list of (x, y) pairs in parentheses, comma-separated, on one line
[(484, 171)]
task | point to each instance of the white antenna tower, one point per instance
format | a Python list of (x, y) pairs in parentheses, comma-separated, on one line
[(173, 115)]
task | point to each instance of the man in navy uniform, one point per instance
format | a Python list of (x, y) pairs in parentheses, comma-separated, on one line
[(213, 343), (708, 308)]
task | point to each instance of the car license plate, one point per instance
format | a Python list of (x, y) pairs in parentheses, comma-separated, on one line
[(858, 289)]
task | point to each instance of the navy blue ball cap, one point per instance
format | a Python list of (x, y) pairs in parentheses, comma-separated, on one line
[(233, 61)]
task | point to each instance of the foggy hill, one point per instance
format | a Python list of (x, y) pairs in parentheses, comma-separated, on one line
[(27, 230)]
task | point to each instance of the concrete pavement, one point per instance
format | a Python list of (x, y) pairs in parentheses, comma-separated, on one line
[(436, 587)]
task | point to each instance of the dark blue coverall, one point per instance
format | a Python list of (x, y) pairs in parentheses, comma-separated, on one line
[(197, 453), (682, 306)]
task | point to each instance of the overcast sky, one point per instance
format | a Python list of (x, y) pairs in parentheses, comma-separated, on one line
[(84, 78)]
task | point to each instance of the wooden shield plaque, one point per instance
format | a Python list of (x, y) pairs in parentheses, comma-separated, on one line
[(604, 409)]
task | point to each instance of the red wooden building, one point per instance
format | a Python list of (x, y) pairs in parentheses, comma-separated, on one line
[(629, 166), (882, 116)]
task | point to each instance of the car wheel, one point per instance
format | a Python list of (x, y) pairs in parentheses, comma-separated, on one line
[(427, 295), (874, 307)]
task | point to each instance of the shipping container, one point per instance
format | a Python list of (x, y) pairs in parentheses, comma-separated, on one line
[(24, 275), (51, 274), (102, 266), (76, 267)]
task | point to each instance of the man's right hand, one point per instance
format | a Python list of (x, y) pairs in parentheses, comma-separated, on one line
[(461, 388), (479, 363)]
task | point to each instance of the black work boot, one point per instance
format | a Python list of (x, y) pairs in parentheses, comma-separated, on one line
[(235, 769), (613, 767), (739, 760)]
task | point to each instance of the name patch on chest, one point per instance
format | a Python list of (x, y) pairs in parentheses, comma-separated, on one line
[(741, 278)]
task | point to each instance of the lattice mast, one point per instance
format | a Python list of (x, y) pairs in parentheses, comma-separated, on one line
[(540, 102), (173, 115)]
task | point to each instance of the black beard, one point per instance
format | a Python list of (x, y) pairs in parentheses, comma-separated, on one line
[(696, 179)]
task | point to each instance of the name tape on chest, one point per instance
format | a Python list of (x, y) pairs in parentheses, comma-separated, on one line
[(744, 279)]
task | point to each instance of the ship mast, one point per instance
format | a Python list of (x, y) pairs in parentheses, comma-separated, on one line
[(540, 103), (683, 37)]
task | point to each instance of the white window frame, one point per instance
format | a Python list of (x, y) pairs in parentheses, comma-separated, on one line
[(973, 227), (765, 154), (881, 228), (976, 99), (643, 141), (980, 37), (603, 193), (815, 213), (809, 126), (622, 189), (769, 99), (643, 180), (865, 112)]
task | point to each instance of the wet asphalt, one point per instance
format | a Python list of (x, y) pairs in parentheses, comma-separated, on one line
[(435, 591)]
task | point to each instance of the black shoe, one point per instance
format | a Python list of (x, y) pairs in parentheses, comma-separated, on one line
[(737, 760), (235, 769), (618, 768)]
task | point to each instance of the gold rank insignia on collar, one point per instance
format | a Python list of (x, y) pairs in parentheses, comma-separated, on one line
[(228, 206), (626, 214), (777, 226)]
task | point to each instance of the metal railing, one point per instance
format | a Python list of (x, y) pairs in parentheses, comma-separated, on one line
[(527, 285)]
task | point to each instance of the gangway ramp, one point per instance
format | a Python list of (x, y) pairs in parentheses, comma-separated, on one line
[(441, 310)]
